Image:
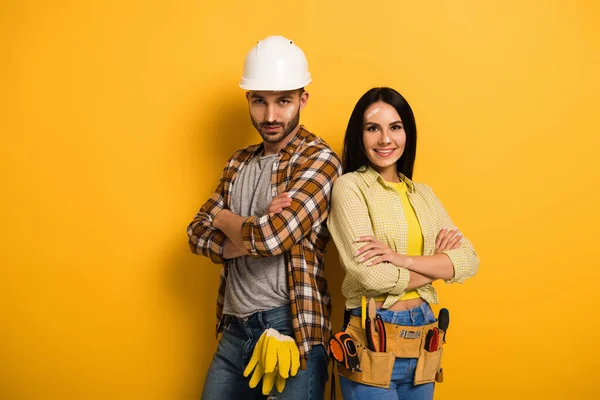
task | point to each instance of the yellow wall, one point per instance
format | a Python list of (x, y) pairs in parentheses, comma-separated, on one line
[(116, 118)]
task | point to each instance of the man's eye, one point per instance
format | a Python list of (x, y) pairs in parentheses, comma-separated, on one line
[(284, 102), (257, 101)]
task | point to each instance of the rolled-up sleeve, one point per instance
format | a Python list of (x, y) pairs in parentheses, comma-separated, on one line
[(348, 220), (204, 238)]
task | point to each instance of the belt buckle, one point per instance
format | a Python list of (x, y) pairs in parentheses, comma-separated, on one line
[(410, 334)]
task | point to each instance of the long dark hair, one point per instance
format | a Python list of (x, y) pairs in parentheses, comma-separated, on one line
[(355, 155)]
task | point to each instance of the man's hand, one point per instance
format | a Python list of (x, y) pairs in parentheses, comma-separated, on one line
[(447, 240), (279, 202), (231, 225), (217, 218), (231, 251), (378, 252)]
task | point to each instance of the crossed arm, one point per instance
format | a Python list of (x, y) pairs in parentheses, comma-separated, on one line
[(231, 225), (219, 235), (423, 269)]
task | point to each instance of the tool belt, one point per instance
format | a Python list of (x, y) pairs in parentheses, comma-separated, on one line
[(400, 342)]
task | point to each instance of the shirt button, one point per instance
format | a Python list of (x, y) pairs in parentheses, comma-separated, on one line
[(291, 151)]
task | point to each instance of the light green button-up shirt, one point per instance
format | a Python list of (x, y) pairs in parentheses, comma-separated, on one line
[(364, 204)]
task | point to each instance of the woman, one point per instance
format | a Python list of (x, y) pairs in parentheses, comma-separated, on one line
[(394, 239)]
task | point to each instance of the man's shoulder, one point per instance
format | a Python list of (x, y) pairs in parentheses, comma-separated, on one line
[(312, 144), (242, 154)]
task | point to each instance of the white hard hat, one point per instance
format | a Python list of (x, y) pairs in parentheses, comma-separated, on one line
[(275, 63)]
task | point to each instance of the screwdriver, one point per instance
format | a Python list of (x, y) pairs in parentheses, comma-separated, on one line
[(444, 321)]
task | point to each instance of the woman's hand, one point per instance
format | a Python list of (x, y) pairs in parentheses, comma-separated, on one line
[(447, 240), (378, 252)]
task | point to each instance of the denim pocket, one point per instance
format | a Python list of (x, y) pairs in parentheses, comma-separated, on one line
[(226, 322), (282, 322), (429, 316)]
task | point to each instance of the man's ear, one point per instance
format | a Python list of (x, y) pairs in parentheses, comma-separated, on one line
[(248, 95), (303, 100)]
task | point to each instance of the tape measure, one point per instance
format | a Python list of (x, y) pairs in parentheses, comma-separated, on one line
[(343, 350)]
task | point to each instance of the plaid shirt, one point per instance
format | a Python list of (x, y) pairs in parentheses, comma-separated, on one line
[(364, 204), (306, 169)]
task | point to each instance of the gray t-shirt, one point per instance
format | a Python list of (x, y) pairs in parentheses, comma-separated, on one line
[(254, 284)]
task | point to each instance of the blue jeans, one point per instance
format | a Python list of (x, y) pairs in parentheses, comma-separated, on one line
[(225, 379), (402, 385)]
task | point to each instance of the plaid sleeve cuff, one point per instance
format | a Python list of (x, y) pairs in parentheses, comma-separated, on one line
[(248, 236), (215, 245)]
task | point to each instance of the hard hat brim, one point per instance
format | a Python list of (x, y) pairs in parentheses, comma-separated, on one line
[(248, 84)]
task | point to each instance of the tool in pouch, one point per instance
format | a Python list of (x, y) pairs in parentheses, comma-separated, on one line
[(373, 322), (343, 350), (432, 340), (436, 336), (443, 323)]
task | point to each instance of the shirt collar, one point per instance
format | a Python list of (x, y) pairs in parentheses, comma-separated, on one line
[(289, 149), (372, 177)]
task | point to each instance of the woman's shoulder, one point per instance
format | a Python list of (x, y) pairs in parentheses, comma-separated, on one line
[(351, 182), (349, 179)]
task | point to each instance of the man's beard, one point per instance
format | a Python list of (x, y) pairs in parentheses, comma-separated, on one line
[(287, 129)]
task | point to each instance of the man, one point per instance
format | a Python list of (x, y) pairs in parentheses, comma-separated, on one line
[(266, 223)]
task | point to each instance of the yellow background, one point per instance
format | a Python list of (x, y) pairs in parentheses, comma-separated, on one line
[(116, 118)]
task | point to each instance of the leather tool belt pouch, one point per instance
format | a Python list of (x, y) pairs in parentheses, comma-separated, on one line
[(402, 342)]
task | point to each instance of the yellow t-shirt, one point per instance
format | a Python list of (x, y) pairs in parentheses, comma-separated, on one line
[(415, 236)]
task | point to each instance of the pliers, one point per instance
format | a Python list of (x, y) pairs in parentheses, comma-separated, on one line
[(370, 327), (382, 335)]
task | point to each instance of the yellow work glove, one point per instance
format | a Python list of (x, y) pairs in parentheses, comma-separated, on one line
[(275, 357), (270, 378), (280, 351), (256, 363)]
